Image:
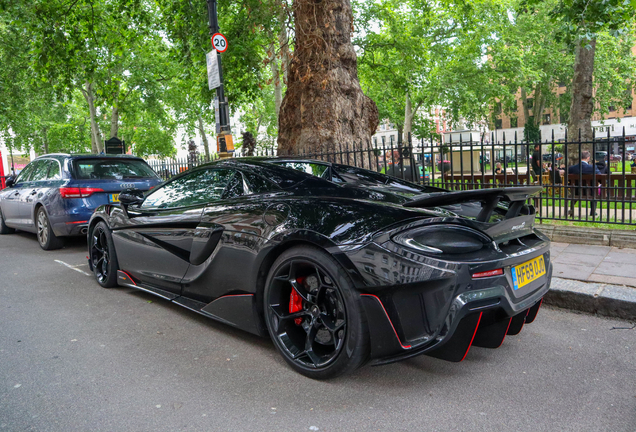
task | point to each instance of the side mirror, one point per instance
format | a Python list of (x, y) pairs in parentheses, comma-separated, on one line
[(131, 197), (10, 181)]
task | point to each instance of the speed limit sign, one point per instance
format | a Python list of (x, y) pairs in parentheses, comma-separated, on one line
[(219, 42)]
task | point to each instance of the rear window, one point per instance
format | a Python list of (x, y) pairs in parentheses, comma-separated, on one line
[(112, 169)]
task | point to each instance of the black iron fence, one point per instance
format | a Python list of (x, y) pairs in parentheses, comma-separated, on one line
[(601, 189)]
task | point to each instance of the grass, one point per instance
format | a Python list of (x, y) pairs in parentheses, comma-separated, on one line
[(587, 225)]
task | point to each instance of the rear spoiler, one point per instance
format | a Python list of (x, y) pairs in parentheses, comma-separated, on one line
[(489, 198)]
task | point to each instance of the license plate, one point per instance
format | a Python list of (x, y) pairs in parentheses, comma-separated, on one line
[(527, 272), (113, 198)]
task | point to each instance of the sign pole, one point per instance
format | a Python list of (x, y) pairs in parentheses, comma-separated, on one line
[(224, 138)]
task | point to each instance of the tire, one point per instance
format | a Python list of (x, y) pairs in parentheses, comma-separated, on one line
[(103, 255), (4, 229), (314, 315), (46, 237)]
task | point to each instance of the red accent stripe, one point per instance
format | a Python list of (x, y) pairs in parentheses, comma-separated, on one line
[(236, 295), (131, 279), (78, 222), (473, 338), (390, 322), (506, 333)]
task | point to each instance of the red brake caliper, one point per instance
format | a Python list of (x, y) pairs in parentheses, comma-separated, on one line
[(296, 302)]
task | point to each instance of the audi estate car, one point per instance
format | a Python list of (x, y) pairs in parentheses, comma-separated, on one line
[(338, 265), (55, 195)]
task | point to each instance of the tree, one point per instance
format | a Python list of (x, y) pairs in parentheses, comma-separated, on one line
[(581, 22), (324, 107)]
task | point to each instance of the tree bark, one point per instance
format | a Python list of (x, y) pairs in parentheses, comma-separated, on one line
[(283, 41), (582, 99), (278, 87), (45, 140), (324, 107), (204, 137), (96, 136), (114, 122)]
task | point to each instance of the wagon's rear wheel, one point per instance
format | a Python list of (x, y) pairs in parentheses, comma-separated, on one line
[(314, 315)]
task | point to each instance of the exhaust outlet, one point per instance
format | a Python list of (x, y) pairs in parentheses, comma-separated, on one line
[(84, 230)]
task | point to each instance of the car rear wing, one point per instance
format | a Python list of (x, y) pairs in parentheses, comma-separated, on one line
[(489, 198)]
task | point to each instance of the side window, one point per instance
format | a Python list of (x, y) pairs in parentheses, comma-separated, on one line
[(40, 170), (54, 171), (314, 169), (257, 184), (198, 187), (26, 173)]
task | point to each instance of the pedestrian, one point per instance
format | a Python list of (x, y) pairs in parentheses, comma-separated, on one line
[(584, 168), (536, 161), (498, 169)]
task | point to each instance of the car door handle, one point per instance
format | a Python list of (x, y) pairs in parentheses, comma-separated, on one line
[(16, 194), (34, 192)]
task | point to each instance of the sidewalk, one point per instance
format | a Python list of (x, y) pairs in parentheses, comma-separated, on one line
[(596, 279), (604, 264)]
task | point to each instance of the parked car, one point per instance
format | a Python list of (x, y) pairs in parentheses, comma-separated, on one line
[(600, 156), (55, 195), (616, 158), (340, 266)]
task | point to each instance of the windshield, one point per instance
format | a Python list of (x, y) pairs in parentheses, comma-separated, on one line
[(112, 169)]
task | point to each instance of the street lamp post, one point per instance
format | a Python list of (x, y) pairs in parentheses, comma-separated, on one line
[(224, 138)]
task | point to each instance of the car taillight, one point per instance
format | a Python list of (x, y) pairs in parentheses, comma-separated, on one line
[(490, 273), (82, 192)]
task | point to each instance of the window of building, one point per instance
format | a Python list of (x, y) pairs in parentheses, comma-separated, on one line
[(498, 108), (562, 117), (498, 124), (375, 141), (530, 102), (546, 119), (612, 108), (514, 122)]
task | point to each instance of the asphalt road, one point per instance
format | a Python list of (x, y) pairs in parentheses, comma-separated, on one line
[(77, 357)]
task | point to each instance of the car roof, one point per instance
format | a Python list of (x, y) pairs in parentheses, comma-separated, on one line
[(90, 156)]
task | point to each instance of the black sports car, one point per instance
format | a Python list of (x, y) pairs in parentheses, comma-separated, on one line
[(339, 265)]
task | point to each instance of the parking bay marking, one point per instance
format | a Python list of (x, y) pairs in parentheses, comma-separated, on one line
[(71, 267)]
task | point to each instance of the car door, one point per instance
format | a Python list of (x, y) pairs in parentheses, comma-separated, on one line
[(34, 189), (239, 220), (156, 245), (11, 202)]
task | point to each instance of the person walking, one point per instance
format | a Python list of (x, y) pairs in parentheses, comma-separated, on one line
[(584, 168)]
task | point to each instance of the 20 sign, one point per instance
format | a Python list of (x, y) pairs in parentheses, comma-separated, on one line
[(219, 42)]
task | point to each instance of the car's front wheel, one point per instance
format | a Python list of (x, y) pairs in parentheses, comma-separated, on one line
[(103, 256), (46, 237), (4, 229), (314, 315)]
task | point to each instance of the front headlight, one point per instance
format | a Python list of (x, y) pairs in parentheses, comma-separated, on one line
[(442, 239)]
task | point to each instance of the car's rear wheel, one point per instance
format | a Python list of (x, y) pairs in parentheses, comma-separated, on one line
[(103, 256), (4, 229), (46, 237), (314, 315)]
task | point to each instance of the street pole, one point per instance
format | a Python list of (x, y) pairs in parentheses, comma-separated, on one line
[(224, 139)]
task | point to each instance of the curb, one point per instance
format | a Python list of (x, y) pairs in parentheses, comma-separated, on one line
[(613, 301), (589, 236)]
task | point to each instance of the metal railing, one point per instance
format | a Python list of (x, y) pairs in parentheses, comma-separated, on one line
[(569, 192)]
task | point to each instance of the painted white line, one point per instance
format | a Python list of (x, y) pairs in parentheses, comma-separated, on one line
[(71, 267)]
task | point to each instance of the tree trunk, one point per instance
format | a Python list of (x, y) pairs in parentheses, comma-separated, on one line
[(582, 99), (96, 136), (45, 140), (283, 41), (114, 122), (324, 107), (278, 87), (206, 145), (408, 118)]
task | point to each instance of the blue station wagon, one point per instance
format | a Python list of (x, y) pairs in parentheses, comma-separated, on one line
[(55, 195)]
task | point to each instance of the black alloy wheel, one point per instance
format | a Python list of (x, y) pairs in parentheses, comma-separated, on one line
[(312, 312), (103, 256), (4, 229), (46, 237)]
